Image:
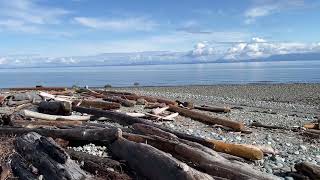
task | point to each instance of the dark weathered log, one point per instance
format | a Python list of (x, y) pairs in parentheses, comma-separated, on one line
[(51, 161), (115, 92), (237, 126), (108, 135), (106, 167), (213, 109), (150, 130), (111, 98), (40, 88), (308, 169), (96, 104), (153, 163), (121, 118), (209, 162), (136, 97), (20, 168), (312, 133), (55, 108)]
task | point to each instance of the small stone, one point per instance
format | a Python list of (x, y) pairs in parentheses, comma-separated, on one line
[(304, 148), (288, 144), (296, 152), (238, 138), (141, 101), (289, 178)]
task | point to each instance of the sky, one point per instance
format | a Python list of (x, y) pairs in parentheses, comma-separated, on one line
[(88, 27)]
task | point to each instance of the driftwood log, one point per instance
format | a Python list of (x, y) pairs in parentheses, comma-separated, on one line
[(308, 169), (234, 149), (20, 168), (55, 108), (30, 124), (108, 168), (107, 135), (50, 159), (213, 109), (96, 104), (152, 163), (240, 150), (237, 126), (32, 114), (210, 163)]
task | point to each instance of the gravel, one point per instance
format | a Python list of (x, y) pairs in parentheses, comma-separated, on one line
[(287, 105)]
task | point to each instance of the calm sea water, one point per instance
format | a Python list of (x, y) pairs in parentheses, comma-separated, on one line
[(163, 75)]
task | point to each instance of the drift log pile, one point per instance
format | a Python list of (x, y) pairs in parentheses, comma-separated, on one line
[(43, 120)]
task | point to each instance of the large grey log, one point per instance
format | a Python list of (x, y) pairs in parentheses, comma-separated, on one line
[(153, 163), (51, 161)]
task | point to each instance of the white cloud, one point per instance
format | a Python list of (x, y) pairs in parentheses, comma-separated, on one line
[(202, 49), (28, 15), (138, 24), (268, 7), (260, 48)]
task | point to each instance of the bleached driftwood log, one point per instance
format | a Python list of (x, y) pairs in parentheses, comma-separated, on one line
[(48, 117), (97, 104), (158, 111)]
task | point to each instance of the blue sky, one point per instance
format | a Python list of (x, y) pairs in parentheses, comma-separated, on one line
[(87, 27)]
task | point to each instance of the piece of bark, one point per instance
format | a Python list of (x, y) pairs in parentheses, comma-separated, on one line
[(97, 104), (39, 89), (170, 117), (213, 109), (90, 135), (106, 167), (51, 160), (48, 117), (55, 108), (308, 169), (20, 168), (153, 163), (237, 126), (210, 163)]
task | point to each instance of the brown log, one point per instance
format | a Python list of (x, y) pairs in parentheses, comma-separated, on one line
[(39, 89), (237, 126), (312, 133), (2, 98), (240, 150), (111, 98), (50, 159), (213, 109), (115, 92), (26, 123), (212, 164), (311, 125), (106, 167), (136, 97), (108, 135), (152, 163), (308, 169), (96, 104)]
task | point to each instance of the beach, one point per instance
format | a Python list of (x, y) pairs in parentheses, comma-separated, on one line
[(288, 106)]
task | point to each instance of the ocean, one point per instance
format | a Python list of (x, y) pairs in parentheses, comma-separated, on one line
[(165, 75)]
